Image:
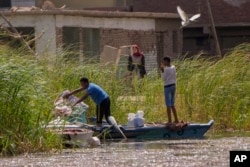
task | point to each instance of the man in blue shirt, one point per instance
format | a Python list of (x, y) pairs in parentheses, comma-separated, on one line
[(98, 95)]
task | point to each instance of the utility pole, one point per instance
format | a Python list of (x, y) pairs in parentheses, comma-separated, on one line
[(217, 44)]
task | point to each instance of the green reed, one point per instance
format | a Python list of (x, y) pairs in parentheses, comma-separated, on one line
[(206, 89), (216, 90), (25, 104)]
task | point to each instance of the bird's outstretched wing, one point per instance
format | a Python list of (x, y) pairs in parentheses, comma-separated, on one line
[(194, 17), (182, 14)]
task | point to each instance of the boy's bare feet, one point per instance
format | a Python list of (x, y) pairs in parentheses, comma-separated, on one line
[(176, 122)]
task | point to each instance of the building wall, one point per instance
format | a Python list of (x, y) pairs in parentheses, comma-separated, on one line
[(146, 40), (99, 29), (231, 16), (47, 24), (169, 38), (224, 11), (59, 37), (80, 4), (23, 2), (44, 26), (105, 22), (197, 40)]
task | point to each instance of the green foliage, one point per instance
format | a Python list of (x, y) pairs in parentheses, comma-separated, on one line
[(217, 89), (206, 89), (25, 105)]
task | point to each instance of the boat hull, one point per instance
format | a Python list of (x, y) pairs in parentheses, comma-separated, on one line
[(156, 132), (72, 135)]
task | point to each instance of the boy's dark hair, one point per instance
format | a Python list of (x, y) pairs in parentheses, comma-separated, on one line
[(167, 59), (84, 79)]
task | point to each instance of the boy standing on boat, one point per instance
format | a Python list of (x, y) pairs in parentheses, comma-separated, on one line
[(98, 95), (168, 74)]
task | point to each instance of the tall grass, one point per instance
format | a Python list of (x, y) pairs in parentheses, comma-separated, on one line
[(217, 89), (25, 104), (206, 89)]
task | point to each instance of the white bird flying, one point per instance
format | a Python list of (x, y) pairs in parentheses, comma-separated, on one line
[(184, 17)]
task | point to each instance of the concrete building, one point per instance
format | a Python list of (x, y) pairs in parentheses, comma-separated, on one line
[(231, 19), (82, 4), (230, 16), (87, 32)]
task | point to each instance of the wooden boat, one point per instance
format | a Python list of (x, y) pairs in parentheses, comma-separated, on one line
[(72, 134), (149, 131), (78, 134)]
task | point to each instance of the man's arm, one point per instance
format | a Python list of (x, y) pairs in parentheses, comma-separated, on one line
[(81, 99), (73, 92), (162, 68)]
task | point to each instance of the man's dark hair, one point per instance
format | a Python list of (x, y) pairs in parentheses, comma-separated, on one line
[(84, 79), (167, 59)]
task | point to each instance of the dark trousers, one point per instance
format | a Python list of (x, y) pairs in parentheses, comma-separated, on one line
[(103, 109), (141, 69)]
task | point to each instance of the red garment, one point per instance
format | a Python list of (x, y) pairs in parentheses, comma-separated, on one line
[(138, 52)]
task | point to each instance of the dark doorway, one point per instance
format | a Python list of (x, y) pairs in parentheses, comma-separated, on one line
[(5, 3)]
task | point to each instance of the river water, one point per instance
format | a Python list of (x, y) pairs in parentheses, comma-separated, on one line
[(210, 151)]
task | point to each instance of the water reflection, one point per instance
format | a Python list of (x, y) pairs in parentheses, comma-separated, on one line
[(154, 144), (192, 153)]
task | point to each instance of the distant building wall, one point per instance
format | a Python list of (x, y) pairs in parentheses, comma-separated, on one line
[(89, 31), (231, 19), (169, 38), (42, 24), (80, 4), (23, 2), (146, 40)]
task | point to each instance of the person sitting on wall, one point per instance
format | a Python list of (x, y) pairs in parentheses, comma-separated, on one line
[(136, 62)]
